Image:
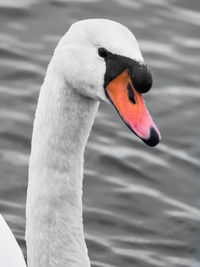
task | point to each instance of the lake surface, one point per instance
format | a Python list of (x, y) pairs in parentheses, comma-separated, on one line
[(141, 205)]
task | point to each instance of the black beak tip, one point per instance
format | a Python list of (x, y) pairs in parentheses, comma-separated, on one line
[(154, 138)]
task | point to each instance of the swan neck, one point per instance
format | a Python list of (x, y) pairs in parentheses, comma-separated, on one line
[(54, 231)]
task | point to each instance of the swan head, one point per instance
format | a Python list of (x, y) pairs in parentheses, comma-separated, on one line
[(101, 59)]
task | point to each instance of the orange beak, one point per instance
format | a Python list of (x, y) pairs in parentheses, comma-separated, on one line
[(130, 105)]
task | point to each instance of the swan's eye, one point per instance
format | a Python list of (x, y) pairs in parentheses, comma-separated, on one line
[(103, 52)]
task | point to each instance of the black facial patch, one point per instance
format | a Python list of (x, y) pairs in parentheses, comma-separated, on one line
[(131, 95), (116, 64)]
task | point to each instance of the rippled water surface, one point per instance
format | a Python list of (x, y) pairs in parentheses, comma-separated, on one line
[(141, 205)]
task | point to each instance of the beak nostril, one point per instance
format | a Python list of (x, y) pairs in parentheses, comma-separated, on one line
[(131, 94)]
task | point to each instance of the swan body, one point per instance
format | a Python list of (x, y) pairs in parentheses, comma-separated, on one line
[(92, 59), (10, 252)]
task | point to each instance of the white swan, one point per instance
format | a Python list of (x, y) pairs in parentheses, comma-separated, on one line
[(96, 60)]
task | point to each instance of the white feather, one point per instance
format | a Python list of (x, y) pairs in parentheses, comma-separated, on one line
[(10, 252)]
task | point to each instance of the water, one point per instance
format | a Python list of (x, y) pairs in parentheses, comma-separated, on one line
[(141, 205)]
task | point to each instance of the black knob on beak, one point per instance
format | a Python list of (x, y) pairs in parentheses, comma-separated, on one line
[(141, 77)]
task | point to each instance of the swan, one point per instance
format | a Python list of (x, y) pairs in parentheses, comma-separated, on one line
[(96, 60)]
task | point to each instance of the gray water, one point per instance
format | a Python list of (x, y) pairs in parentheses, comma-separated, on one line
[(141, 205)]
